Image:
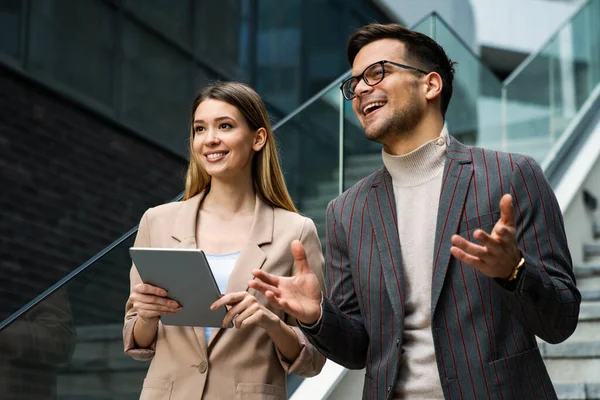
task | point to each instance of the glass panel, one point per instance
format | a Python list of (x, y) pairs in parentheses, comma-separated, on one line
[(312, 134), (300, 51), (70, 345), (72, 42), (10, 27), (173, 18), (219, 29), (361, 156), (278, 52), (474, 113), (548, 92), (156, 82)]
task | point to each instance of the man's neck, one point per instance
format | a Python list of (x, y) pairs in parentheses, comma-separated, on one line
[(405, 142)]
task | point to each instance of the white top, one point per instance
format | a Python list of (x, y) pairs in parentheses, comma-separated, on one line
[(417, 182), (221, 266)]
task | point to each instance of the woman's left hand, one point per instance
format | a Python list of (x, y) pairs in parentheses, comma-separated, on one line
[(246, 310)]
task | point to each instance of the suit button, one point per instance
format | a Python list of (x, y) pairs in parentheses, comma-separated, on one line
[(398, 342), (202, 367), (389, 389)]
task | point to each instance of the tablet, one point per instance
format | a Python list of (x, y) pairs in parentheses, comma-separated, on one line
[(187, 277)]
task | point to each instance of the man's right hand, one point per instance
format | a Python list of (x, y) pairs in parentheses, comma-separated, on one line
[(299, 295), (150, 302)]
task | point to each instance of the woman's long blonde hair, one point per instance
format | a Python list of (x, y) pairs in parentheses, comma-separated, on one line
[(266, 170)]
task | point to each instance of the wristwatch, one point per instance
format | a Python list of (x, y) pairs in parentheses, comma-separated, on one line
[(515, 271)]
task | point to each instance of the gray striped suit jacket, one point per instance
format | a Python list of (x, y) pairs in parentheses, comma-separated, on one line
[(484, 332)]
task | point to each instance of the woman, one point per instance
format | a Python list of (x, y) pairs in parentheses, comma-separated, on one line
[(238, 211)]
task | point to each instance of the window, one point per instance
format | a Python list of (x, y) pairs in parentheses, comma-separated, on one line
[(218, 29), (173, 18), (10, 27), (72, 42), (158, 88)]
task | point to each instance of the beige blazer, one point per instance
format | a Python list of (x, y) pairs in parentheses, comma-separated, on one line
[(236, 364)]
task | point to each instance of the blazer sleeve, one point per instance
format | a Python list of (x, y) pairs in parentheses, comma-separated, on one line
[(341, 327), (309, 362), (545, 298), (141, 240)]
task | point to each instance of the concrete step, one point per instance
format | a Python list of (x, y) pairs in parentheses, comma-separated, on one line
[(108, 385), (99, 369), (361, 159), (574, 370), (316, 202), (587, 270), (577, 391), (590, 311), (589, 282), (572, 349), (590, 294), (591, 250), (100, 349)]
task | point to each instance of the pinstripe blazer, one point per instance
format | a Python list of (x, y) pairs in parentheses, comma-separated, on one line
[(484, 332)]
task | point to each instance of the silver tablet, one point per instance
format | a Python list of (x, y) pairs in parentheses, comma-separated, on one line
[(187, 277)]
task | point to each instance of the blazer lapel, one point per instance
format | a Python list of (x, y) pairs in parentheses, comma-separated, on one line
[(458, 172), (184, 232), (252, 255), (382, 212)]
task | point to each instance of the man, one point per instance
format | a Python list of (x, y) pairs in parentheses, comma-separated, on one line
[(443, 266)]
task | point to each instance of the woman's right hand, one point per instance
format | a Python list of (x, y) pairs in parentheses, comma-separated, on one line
[(150, 302)]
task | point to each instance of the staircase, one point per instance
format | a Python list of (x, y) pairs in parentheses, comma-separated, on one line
[(99, 370), (574, 365)]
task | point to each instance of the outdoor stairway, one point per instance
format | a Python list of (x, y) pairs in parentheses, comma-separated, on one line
[(574, 365)]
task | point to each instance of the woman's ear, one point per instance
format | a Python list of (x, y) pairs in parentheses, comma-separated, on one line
[(260, 139)]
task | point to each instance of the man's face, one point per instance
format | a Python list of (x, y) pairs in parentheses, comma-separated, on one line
[(399, 97)]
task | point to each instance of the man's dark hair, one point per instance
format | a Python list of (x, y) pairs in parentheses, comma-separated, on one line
[(420, 49)]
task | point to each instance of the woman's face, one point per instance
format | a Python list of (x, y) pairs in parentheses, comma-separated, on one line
[(223, 142)]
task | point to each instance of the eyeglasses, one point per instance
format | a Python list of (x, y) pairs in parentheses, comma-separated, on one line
[(372, 75)]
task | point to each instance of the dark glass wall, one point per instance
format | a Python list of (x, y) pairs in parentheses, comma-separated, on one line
[(140, 62)]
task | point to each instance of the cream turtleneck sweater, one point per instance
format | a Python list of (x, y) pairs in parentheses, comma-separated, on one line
[(417, 181)]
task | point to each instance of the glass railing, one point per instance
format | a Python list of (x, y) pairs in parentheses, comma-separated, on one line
[(70, 343), (543, 96), (474, 113)]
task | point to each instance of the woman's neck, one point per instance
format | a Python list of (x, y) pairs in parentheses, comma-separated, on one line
[(230, 197)]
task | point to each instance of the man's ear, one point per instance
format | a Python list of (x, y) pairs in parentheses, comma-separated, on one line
[(434, 85), (260, 139)]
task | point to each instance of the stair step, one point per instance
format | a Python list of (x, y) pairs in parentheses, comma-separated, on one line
[(590, 282), (574, 370), (577, 391), (590, 311), (101, 356), (582, 271), (590, 294), (572, 349), (110, 385), (373, 158), (591, 250)]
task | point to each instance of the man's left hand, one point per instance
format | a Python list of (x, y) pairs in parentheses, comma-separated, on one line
[(498, 253)]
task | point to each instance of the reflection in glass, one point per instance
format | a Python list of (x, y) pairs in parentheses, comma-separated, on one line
[(173, 18), (157, 80), (35, 347), (10, 27), (72, 42)]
